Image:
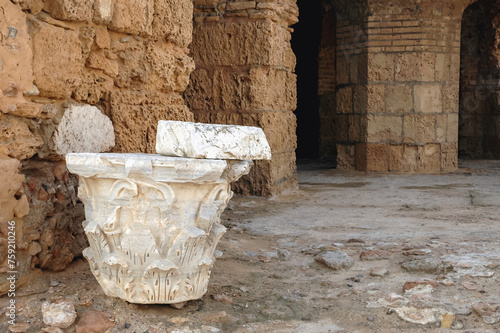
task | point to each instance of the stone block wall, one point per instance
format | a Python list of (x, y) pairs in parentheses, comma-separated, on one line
[(397, 85), (245, 76), (479, 128), (79, 76)]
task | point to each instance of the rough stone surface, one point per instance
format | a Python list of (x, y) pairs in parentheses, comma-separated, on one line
[(196, 140), (133, 17), (130, 199), (57, 52), (74, 10), (426, 265), (84, 129), (94, 322), (66, 51), (335, 259), (16, 57), (60, 314)]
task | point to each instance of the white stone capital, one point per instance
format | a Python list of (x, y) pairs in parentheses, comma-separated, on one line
[(153, 222)]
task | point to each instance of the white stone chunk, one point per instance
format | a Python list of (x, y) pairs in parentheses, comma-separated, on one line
[(225, 142), (61, 314), (84, 129)]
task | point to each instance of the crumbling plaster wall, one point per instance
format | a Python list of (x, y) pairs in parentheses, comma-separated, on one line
[(479, 122), (122, 59), (397, 84), (245, 76)]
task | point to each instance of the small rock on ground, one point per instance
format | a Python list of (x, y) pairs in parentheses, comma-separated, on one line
[(379, 272), (335, 259), (19, 328), (60, 314), (94, 322), (426, 265)]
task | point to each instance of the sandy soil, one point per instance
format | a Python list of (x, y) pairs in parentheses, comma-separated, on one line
[(267, 279)]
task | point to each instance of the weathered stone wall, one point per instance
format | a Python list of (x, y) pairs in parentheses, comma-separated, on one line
[(479, 130), (397, 84), (244, 76), (79, 76)]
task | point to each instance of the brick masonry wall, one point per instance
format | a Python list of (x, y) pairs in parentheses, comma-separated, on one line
[(397, 73), (245, 76)]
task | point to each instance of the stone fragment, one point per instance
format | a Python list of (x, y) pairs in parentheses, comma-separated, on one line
[(490, 313), (379, 272), (94, 322), (103, 11), (35, 110), (84, 129), (422, 282), (447, 282), (335, 259), (426, 265), (211, 141), (178, 305), (32, 92), (19, 328), (420, 316), (416, 252), (34, 248), (447, 320), (60, 314), (469, 286)]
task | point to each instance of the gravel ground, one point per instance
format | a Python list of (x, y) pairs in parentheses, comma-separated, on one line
[(347, 252)]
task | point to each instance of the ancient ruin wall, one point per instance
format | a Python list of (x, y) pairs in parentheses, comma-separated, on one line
[(123, 60), (397, 83), (244, 76), (479, 127)]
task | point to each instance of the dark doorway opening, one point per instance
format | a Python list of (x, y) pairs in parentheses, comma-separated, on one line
[(305, 44), (479, 111)]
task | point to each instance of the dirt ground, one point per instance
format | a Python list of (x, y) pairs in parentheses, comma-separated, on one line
[(396, 228)]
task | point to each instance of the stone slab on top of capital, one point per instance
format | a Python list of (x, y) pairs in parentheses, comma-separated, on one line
[(211, 141)]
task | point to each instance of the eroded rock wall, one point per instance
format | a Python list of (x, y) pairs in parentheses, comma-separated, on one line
[(79, 76), (245, 76)]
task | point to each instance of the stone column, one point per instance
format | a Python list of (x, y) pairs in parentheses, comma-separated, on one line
[(244, 76), (397, 84)]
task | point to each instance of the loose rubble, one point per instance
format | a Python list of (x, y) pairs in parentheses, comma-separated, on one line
[(60, 313)]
